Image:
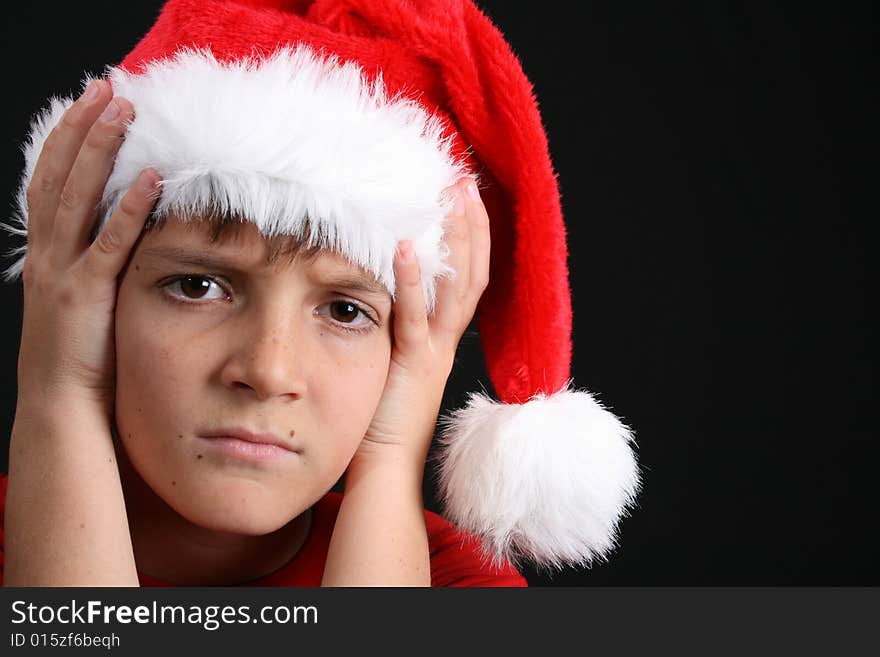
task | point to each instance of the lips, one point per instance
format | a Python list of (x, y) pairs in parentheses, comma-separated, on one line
[(246, 436)]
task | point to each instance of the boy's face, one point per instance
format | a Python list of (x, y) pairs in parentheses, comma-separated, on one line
[(211, 338)]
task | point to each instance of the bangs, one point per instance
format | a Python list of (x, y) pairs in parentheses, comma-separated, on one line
[(226, 227)]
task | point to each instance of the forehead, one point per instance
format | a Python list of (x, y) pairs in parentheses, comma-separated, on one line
[(240, 246)]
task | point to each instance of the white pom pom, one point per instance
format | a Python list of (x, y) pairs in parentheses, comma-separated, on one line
[(545, 481)]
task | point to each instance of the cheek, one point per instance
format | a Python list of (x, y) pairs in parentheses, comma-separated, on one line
[(152, 378), (348, 391), (147, 367)]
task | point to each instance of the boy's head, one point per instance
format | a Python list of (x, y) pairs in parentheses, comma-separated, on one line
[(218, 330), (341, 123)]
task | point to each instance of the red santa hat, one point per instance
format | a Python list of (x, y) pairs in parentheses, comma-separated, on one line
[(350, 117)]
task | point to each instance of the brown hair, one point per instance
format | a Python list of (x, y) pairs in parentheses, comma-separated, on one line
[(227, 226)]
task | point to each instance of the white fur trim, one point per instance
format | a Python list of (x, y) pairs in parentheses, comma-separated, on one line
[(545, 481), (279, 140)]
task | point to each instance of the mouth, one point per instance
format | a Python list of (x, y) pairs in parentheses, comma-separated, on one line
[(241, 443)]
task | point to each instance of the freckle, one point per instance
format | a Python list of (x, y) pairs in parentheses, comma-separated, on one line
[(82, 525), (199, 456), (140, 410), (180, 435), (173, 483), (137, 268)]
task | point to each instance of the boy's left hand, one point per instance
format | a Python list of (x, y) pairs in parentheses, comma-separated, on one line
[(423, 350)]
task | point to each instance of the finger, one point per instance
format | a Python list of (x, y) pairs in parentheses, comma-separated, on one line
[(451, 289), (82, 193), (410, 314), (108, 254), (481, 243), (56, 159)]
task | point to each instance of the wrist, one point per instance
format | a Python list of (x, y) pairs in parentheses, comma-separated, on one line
[(399, 470), (36, 394), (59, 415), (380, 536), (373, 455)]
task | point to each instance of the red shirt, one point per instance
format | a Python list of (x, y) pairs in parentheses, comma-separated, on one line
[(455, 557)]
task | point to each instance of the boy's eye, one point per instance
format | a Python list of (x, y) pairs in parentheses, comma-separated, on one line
[(345, 315), (195, 287), (346, 312)]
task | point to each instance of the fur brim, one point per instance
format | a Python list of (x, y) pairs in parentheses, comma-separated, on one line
[(546, 481), (287, 141)]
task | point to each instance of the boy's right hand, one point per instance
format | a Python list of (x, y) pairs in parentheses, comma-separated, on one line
[(67, 346)]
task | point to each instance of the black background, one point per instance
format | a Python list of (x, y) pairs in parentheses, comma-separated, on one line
[(714, 161)]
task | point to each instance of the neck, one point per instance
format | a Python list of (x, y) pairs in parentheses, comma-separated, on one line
[(172, 549)]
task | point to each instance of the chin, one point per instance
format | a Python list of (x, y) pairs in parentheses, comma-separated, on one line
[(231, 504), (241, 526), (247, 516), (238, 505)]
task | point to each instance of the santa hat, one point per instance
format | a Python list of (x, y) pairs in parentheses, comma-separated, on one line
[(350, 117)]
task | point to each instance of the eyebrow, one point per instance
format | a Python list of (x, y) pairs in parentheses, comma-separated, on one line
[(357, 283), (187, 257), (213, 261)]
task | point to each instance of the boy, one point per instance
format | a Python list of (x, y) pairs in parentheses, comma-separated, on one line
[(239, 395)]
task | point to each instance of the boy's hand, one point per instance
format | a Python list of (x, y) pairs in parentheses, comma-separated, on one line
[(67, 349), (424, 347)]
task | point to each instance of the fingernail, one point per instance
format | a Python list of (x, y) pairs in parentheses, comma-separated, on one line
[(148, 179), (406, 251), (91, 91), (472, 191), (110, 112)]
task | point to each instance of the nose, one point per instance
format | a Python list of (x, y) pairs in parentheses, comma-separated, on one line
[(267, 361)]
